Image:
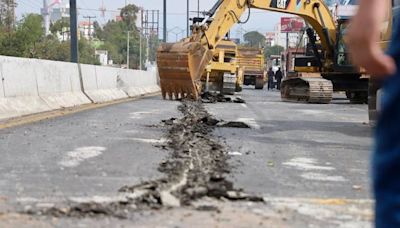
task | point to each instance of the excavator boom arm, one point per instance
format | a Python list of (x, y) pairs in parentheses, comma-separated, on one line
[(314, 12)]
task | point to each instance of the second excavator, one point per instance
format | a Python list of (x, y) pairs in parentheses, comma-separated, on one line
[(182, 64)]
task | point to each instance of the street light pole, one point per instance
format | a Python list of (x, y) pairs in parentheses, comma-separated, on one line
[(74, 31), (127, 49), (165, 21), (128, 38), (140, 48), (187, 15)]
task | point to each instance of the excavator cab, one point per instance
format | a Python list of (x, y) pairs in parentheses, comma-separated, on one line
[(342, 59)]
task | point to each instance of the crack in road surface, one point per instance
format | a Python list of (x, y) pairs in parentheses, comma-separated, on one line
[(196, 168)]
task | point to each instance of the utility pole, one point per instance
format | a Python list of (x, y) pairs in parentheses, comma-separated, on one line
[(46, 17), (127, 49), (187, 18), (74, 32), (90, 25), (198, 8), (128, 38), (165, 21), (140, 50)]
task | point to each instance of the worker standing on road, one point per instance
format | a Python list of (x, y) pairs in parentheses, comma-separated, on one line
[(364, 35), (271, 76), (278, 77)]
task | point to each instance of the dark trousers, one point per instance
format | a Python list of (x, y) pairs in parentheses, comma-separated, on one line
[(278, 84), (270, 83), (386, 160)]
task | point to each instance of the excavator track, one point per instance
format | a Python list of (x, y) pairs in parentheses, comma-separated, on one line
[(307, 90)]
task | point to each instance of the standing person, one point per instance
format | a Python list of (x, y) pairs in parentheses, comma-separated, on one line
[(271, 76), (278, 77), (364, 35)]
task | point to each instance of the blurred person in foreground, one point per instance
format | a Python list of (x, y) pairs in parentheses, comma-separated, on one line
[(363, 38)]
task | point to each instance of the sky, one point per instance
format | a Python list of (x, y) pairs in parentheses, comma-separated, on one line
[(261, 21)]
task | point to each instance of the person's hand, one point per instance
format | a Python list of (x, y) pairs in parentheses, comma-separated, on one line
[(363, 38)]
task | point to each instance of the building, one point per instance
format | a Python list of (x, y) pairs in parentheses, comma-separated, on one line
[(59, 13), (87, 29), (270, 38), (102, 56)]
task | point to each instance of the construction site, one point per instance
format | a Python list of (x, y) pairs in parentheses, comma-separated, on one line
[(210, 130)]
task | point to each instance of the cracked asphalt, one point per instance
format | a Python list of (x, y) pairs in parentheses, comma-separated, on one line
[(309, 162)]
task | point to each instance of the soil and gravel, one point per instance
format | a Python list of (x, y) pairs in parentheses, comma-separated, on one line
[(196, 167)]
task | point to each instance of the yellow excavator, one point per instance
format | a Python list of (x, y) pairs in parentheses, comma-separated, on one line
[(182, 64), (223, 73)]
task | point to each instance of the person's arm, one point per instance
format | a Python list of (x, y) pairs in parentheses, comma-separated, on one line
[(364, 35)]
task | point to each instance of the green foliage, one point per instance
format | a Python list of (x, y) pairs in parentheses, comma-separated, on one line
[(128, 14), (52, 49), (28, 40), (273, 50), (59, 26), (21, 42), (114, 35), (254, 39)]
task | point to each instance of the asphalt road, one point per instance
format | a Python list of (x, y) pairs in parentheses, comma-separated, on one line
[(309, 162)]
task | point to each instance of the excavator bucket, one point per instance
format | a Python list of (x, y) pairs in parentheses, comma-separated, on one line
[(180, 66)]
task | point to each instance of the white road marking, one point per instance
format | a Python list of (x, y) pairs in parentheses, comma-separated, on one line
[(77, 156), (251, 122), (306, 164), (244, 105), (152, 141), (235, 153), (141, 115), (312, 112), (322, 177)]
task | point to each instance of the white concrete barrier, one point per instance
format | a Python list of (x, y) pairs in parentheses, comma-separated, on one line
[(1, 85), (29, 86), (59, 84), (20, 93), (100, 83), (138, 83)]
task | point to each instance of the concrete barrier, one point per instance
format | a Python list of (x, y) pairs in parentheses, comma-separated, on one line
[(138, 83), (59, 85), (100, 83), (29, 86), (20, 93), (1, 85)]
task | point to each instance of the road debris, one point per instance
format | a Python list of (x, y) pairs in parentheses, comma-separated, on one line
[(233, 124), (209, 97), (196, 168)]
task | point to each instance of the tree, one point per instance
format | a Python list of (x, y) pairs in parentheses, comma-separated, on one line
[(129, 15), (59, 25), (114, 36), (273, 50), (255, 39), (22, 41)]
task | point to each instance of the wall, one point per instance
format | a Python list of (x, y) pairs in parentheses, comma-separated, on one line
[(32, 86)]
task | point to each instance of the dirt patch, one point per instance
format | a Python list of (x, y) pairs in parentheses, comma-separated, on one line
[(196, 168)]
